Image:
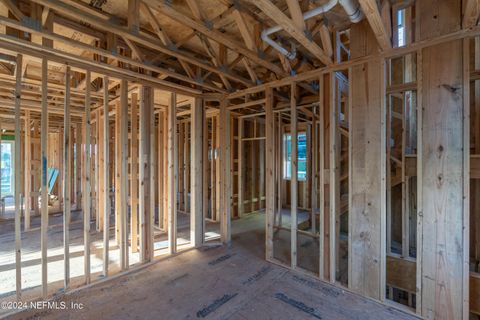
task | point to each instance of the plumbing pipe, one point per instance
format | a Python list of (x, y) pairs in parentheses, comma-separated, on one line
[(351, 7)]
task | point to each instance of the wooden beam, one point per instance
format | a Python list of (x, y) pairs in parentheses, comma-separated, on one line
[(163, 36), (241, 167), (167, 10), (28, 171), (296, 14), (161, 171), (467, 178), (106, 178), (333, 183), (207, 187), (269, 169), (242, 25), (197, 13), (133, 18), (322, 107), (79, 160), (59, 56), (143, 39), (369, 7), (250, 71), (149, 97), (326, 39), (123, 143), (164, 72), (44, 174), (66, 180), (117, 173), (293, 174), (152, 20), (87, 184), (134, 173), (419, 300), (17, 159), (226, 173), (46, 16), (391, 53), (144, 208), (98, 184), (196, 161), (274, 13), (471, 13), (172, 174), (218, 182), (12, 7)]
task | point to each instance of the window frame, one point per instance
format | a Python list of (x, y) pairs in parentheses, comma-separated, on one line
[(286, 168)]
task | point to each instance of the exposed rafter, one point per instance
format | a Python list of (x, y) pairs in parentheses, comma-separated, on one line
[(216, 35), (296, 14), (141, 38), (13, 9), (76, 44), (370, 9), (242, 25)]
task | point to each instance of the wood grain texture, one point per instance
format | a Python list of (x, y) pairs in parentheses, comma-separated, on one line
[(365, 247), (442, 253)]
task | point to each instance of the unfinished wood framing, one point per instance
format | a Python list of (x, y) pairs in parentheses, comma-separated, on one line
[(347, 131), (172, 174), (18, 209), (66, 181), (44, 186), (145, 209), (134, 173), (196, 208)]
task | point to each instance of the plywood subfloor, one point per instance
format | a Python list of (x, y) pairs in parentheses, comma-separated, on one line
[(31, 254), (219, 282)]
